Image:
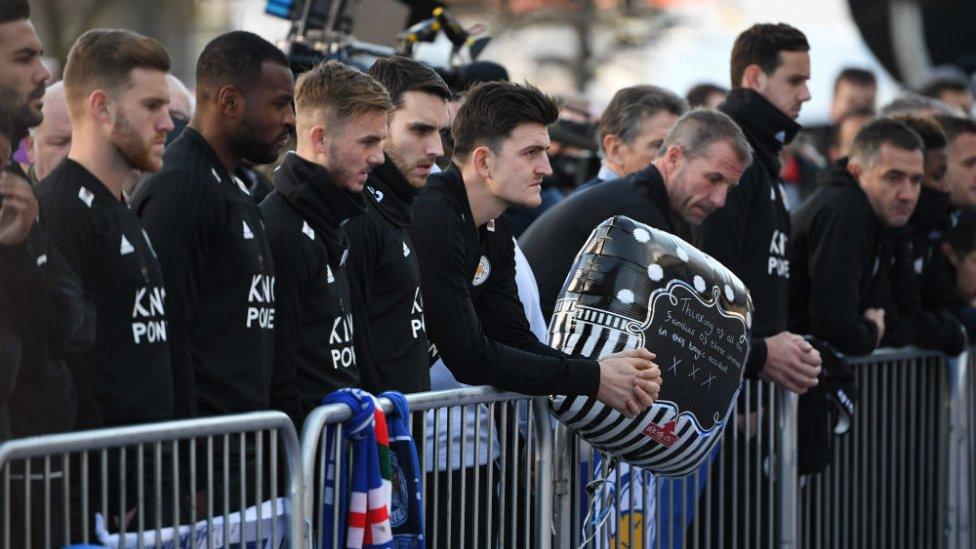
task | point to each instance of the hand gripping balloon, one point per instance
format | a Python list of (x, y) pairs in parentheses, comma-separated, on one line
[(635, 286)]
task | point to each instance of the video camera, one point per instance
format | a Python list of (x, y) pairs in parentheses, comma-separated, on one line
[(322, 29)]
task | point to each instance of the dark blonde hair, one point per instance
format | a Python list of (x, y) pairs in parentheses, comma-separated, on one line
[(341, 92), (105, 58)]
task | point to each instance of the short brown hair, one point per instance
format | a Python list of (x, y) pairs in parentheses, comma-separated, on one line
[(105, 58), (341, 91), (401, 74), (761, 45), (491, 110), (926, 127), (867, 143), (954, 126)]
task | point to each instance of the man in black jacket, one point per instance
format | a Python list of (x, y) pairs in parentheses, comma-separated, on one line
[(929, 223), (42, 314), (115, 83), (474, 317), (853, 284), (931, 215), (18, 210), (381, 253), (208, 233), (750, 235), (703, 156), (342, 118)]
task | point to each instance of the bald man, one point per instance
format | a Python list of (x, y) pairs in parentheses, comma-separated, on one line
[(181, 103), (49, 143)]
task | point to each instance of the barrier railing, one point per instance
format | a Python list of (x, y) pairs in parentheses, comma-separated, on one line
[(198, 483), (888, 483), (498, 472), (486, 462), (962, 454), (735, 499)]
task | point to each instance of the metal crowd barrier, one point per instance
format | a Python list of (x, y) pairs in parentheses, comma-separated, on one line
[(194, 483), (737, 498), (962, 454), (498, 472), (888, 483), (485, 459)]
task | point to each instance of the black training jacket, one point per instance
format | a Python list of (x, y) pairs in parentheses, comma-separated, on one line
[(844, 261), (43, 318), (474, 316), (751, 234), (46, 318), (219, 277), (127, 371), (553, 241), (929, 223), (387, 274), (315, 352)]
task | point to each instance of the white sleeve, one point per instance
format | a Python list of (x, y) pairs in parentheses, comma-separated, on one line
[(528, 293)]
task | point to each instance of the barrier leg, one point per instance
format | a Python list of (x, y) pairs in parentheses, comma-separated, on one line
[(786, 470)]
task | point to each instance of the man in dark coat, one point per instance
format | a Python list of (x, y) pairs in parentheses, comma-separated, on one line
[(853, 282), (382, 256), (750, 235)]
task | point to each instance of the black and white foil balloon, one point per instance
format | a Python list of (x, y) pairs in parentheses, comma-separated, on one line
[(635, 286)]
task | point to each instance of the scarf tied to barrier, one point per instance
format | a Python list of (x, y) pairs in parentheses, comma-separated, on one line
[(385, 507), (367, 516)]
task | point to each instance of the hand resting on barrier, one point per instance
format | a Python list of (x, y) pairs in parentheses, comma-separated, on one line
[(629, 381), (791, 362), (877, 316), (18, 209)]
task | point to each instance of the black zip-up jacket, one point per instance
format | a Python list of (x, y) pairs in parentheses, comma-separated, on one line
[(128, 369), (315, 352), (751, 234), (474, 316), (844, 262), (387, 274), (553, 241), (219, 277), (43, 318), (929, 223)]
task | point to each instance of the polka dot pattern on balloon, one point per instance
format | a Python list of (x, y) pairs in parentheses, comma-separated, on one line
[(625, 296), (699, 283), (655, 272)]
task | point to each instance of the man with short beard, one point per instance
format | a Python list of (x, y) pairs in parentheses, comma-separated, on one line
[(35, 280), (115, 84), (22, 75), (219, 272), (342, 116), (381, 253), (853, 285)]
